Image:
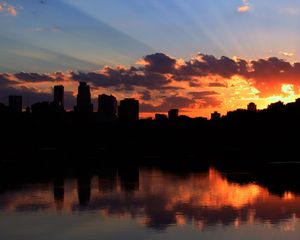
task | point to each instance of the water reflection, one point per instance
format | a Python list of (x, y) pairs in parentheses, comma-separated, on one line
[(157, 199)]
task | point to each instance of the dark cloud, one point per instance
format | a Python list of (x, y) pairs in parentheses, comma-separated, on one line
[(270, 68), (205, 65), (200, 95), (159, 63), (146, 95), (195, 84), (206, 98), (168, 103), (34, 77), (29, 95), (209, 101), (59, 76), (121, 77), (4, 80), (216, 84), (269, 75)]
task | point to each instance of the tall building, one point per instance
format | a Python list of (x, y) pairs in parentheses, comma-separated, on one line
[(107, 107), (173, 114), (215, 116), (128, 110), (252, 107), (58, 96), (84, 103), (15, 103)]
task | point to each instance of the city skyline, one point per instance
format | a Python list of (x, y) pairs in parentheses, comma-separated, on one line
[(205, 56), (108, 107)]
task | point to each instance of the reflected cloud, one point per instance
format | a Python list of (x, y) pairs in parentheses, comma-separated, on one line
[(157, 199)]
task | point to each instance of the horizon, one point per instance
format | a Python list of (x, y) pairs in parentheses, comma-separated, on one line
[(95, 103)]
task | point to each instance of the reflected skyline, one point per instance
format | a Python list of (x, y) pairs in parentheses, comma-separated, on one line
[(158, 200)]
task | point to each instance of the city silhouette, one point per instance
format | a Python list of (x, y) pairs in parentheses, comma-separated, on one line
[(114, 134)]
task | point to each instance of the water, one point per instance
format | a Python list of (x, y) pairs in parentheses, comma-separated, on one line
[(147, 204)]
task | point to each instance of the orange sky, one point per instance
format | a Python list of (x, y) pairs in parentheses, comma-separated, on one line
[(198, 86)]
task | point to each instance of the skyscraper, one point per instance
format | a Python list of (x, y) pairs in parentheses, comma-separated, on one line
[(84, 104), (128, 110), (58, 96), (107, 107), (15, 103)]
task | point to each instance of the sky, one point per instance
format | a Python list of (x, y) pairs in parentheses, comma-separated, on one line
[(195, 55)]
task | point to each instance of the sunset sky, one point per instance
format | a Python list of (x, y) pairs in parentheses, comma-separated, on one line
[(195, 55)]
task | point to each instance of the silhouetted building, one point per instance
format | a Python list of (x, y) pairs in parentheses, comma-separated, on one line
[(28, 110), (277, 106), (84, 103), (107, 107), (58, 95), (160, 117), (3, 108), (15, 103), (128, 110), (215, 115), (252, 107), (40, 107), (173, 114)]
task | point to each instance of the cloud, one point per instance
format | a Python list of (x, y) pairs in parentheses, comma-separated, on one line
[(269, 74), (201, 99), (168, 103), (34, 77), (159, 63), (243, 9), (5, 80), (158, 71), (123, 77), (200, 95), (10, 9), (216, 84), (146, 95), (287, 54), (205, 65), (160, 83), (207, 98)]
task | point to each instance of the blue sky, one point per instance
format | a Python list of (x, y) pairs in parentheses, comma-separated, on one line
[(59, 35)]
